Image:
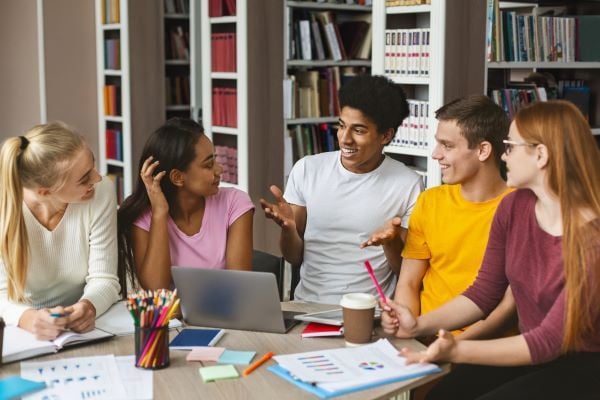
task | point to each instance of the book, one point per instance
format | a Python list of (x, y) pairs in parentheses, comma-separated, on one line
[(348, 369), (315, 329), (20, 344), (189, 338)]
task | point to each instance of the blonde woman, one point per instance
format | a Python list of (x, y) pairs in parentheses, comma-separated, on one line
[(58, 247), (545, 243)]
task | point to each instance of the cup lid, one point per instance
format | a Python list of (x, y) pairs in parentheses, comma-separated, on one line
[(358, 301)]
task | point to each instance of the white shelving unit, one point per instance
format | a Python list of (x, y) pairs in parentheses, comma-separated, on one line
[(291, 65), (453, 70), (192, 67), (122, 78), (425, 88), (223, 135), (517, 71)]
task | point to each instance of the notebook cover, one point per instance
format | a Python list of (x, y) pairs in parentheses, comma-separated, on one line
[(190, 338), (315, 329)]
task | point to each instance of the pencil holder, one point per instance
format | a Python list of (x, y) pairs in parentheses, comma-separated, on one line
[(152, 347)]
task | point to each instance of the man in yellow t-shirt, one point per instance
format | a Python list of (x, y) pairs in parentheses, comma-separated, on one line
[(450, 224)]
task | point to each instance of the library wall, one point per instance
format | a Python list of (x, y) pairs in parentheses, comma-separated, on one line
[(70, 54), (19, 82)]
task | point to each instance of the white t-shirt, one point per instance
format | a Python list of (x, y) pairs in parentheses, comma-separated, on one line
[(343, 209), (77, 260)]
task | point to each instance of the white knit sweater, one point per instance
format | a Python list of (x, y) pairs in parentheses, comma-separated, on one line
[(77, 260)]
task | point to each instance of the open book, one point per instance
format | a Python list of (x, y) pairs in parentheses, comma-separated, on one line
[(19, 344)]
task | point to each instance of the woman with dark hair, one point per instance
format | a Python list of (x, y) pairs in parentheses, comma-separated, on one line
[(178, 215), (544, 243)]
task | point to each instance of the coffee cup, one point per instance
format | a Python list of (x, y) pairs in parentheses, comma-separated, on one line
[(358, 311)]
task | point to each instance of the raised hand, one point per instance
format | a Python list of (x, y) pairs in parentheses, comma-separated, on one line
[(443, 349), (384, 235), (281, 212), (157, 198), (397, 320)]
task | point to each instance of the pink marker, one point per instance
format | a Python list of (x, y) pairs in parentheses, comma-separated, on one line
[(372, 275)]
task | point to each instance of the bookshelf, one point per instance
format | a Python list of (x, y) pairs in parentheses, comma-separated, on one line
[(126, 60), (181, 59), (323, 45), (432, 59), (550, 48)]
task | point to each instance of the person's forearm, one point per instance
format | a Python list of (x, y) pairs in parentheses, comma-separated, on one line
[(511, 351), (292, 246), (498, 322), (155, 270), (393, 251), (410, 297), (455, 314)]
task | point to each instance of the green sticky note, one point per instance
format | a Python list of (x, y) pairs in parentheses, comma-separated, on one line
[(218, 372), (236, 357)]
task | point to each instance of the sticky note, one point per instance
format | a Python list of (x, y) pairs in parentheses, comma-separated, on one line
[(218, 372), (236, 357), (205, 354)]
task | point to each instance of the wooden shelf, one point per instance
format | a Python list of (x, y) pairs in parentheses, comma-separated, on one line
[(410, 151), (422, 8), (224, 75), (328, 63), (328, 6), (231, 19), (543, 65), (410, 80), (319, 120)]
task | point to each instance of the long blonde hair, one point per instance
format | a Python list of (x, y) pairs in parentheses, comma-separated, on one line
[(573, 174), (34, 160)]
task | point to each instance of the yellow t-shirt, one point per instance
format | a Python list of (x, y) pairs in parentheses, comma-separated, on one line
[(452, 233)]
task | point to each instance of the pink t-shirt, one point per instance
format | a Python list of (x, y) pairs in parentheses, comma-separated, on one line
[(205, 249)]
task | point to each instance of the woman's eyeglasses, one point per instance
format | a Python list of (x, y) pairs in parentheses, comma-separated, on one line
[(508, 145)]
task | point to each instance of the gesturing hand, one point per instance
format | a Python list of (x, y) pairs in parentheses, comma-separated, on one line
[(384, 235), (157, 198), (281, 212), (443, 349)]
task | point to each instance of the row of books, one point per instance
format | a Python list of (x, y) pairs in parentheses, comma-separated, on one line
[(395, 3), (227, 157), (112, 53), (112, 100), (111, 13), (223, 52), (544, 34), (314, 93), (117, 178), (308, 139), (414, 130), (177, 44), (177, 90), (513, 99), (114, 144), (177, 6), (407, 52), (317, 36), (224, 107), (220, 8)]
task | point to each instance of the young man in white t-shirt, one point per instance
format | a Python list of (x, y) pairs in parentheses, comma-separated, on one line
[(334, 201)]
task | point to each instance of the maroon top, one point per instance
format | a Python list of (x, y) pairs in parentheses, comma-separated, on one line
[(521, 254)]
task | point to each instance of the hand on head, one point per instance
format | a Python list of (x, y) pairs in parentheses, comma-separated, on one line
[(152, 184), (397, 320), (384, 235), (281, 212), (443, 349)]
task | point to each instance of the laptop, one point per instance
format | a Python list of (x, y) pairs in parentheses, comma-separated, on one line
[(220, 298)]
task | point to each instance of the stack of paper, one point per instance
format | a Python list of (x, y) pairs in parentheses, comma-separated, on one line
[(338, 371), (98, 377)]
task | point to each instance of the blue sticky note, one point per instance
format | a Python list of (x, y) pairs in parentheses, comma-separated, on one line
[(236, 357), (15, 387)]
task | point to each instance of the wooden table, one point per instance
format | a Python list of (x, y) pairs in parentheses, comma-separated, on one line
[(181, 379)]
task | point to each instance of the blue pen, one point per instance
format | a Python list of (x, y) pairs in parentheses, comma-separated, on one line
[(59, 315)]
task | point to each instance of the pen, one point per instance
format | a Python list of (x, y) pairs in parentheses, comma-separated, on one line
[(372, 275), (257, 363), (59, 315)]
